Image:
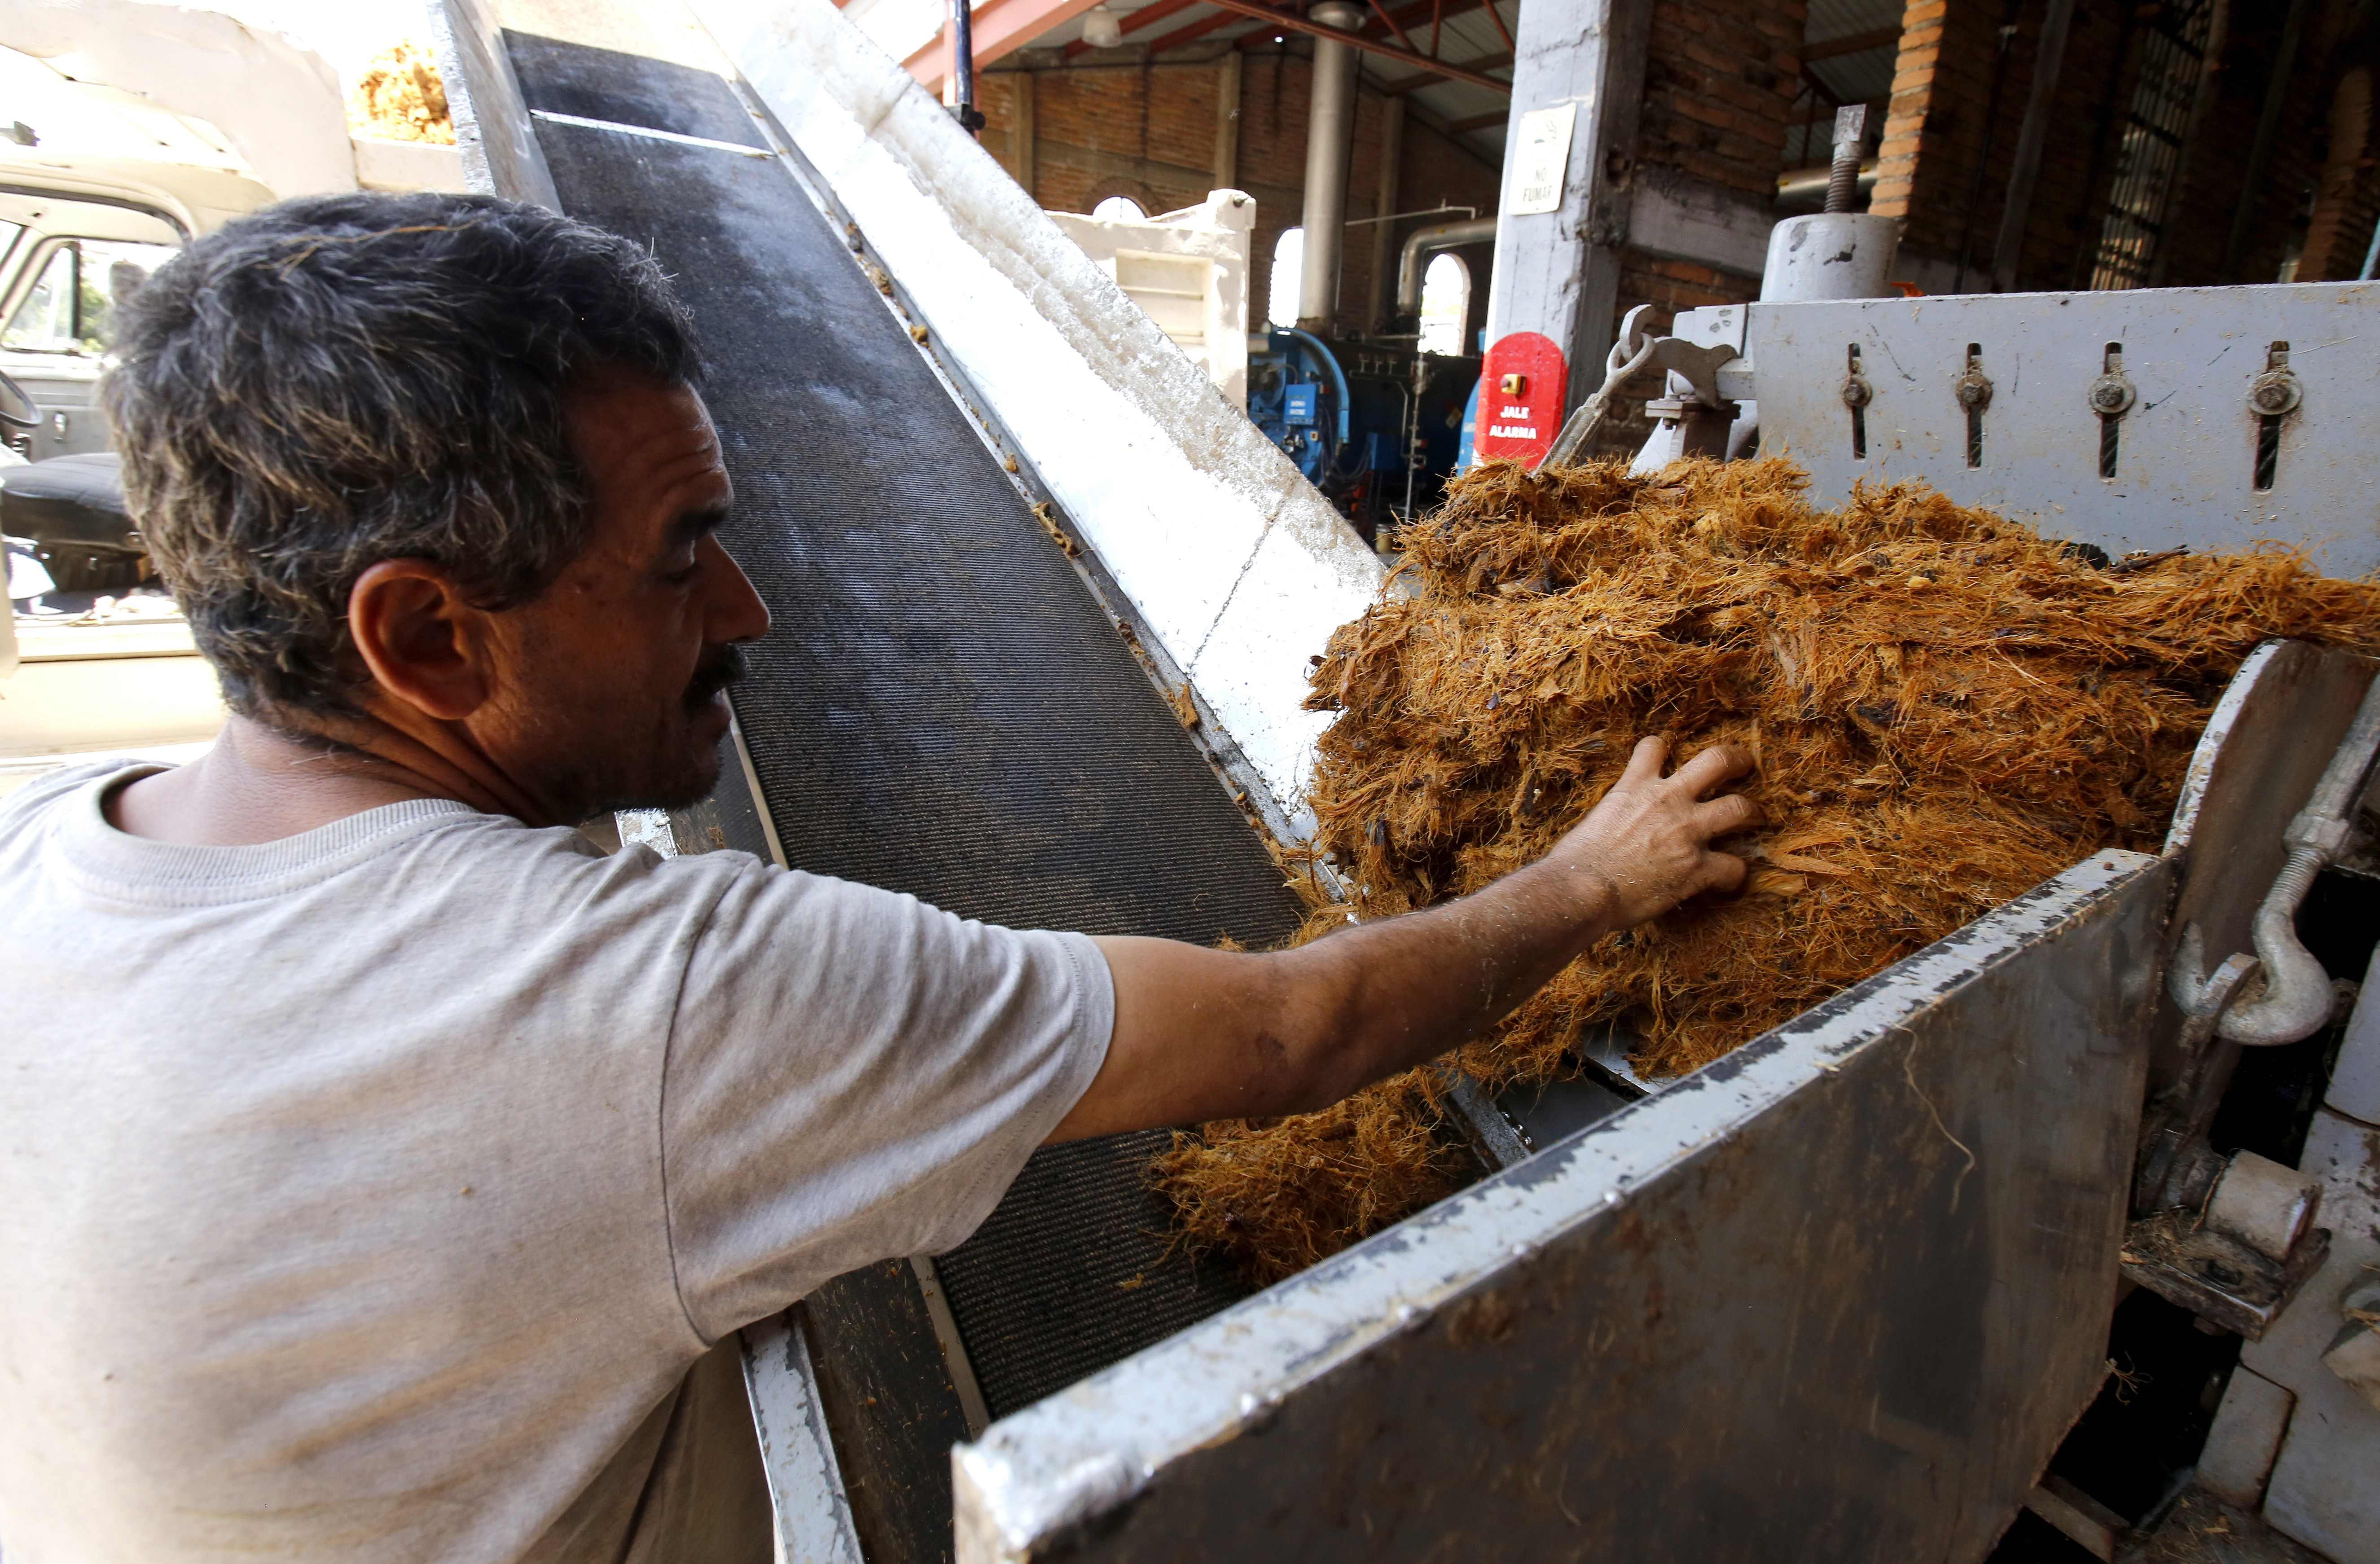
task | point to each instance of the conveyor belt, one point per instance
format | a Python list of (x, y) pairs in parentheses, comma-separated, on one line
[(941, 708)]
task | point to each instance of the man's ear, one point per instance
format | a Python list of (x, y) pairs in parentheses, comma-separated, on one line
[(423, 643)]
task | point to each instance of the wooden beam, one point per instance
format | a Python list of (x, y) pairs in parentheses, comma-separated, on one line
[(1479, 122)]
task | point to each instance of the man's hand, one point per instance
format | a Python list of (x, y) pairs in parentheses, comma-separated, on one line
[(1649, 840), (1204, 1034)]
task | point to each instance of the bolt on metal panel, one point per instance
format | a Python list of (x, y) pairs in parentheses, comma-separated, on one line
[(2142, 420)]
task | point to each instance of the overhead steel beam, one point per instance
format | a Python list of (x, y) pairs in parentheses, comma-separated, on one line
[(1147, 17), (1289, 21), (1422, 78), (1192, 31), (1001, 27)]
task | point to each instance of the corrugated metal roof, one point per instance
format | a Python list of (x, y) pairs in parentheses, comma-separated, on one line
[(1844, 18)]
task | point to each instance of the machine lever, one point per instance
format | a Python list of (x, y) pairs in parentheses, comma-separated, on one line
[(1619, 364)]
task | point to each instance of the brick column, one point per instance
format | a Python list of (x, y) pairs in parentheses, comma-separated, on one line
[(1912, 97)]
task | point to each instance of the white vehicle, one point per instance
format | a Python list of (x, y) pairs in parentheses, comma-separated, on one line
[(131, 130)]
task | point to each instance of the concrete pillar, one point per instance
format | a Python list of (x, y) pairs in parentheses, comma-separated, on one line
[(1330, 130), (1569, 159)]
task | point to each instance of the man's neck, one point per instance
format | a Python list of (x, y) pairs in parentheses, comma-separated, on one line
[(257, 784)]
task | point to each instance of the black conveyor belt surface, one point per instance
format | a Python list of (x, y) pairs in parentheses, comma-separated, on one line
[(941, 708)]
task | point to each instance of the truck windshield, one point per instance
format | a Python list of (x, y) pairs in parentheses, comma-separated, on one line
[(73, 305)]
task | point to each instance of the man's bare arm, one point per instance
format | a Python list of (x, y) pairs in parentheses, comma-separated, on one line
[(1203, 1034)]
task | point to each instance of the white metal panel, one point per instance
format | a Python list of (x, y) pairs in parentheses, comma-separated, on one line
[(2186, 451)]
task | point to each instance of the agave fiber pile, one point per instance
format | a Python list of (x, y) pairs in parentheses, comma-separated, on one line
[(1947, 710)]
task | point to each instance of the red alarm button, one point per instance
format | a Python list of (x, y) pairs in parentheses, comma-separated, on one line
[(1521, 384)]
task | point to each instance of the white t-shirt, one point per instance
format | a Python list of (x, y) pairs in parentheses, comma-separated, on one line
[(361, 1192)]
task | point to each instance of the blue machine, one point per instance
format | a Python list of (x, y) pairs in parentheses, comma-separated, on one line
[(1376, 427)]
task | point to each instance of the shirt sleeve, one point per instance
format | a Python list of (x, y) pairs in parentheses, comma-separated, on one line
[(854, 1076)]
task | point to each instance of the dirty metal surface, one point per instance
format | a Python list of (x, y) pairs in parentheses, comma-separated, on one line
[(805, 1486), (2187, 449), (1847, 1286), (2214, 1274)]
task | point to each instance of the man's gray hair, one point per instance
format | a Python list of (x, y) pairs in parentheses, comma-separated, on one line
[(341, 380)]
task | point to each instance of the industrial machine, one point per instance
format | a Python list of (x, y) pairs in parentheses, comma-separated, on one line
[(1842, 1295), (1376, 427)]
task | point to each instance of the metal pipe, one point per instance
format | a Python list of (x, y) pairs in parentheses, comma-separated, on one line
[(1329, 130), (963, 66), (1384, 203), (1423, 243)]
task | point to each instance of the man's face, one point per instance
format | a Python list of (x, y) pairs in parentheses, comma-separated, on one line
[(612, 693)]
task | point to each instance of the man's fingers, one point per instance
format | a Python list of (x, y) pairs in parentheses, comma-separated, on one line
[(1712, 767), (1727, 871), (1720, 816), (1645, 764)]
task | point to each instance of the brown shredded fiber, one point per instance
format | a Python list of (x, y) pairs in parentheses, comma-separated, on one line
[(1947, 710), (400, 97)]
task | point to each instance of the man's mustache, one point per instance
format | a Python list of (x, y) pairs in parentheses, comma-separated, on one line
[(720, 667)]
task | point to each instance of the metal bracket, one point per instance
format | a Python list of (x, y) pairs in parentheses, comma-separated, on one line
[(2277, 390), (1492, 1137), (1630, 353), (2214, 1275)]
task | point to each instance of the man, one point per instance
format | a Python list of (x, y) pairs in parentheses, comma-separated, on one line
[(378, 1163)]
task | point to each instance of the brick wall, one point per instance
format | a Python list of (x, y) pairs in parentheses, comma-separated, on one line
[(2218, 167), (1146, 130), (1947, 149), (1720, 77)]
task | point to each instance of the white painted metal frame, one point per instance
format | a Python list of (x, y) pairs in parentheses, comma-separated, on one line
[(2186, 449)]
